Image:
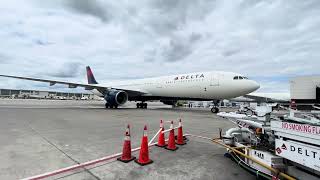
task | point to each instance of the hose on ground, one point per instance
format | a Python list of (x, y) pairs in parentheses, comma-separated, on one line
[(259, 174)]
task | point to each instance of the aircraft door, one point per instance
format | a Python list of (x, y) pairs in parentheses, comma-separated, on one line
[(208, 88), (214, 80)]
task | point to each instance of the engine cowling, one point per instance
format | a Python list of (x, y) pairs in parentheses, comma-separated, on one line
[(116, 97)]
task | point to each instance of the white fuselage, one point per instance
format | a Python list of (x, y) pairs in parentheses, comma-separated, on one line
[(201, 85)]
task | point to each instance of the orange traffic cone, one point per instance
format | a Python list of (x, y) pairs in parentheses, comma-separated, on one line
[(144, 151), (126, 151), (180, 139), (171, 143), (161, 138)]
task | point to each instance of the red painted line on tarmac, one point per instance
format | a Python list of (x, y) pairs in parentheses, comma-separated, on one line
[(82, 165), (70, 168)]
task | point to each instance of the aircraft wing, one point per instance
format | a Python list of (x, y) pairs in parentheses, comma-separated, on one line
[(265, 99), (101, 89), (258, 98)]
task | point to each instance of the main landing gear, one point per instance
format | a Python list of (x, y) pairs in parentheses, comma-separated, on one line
[(142, 105), (111, 106), (215, 110)]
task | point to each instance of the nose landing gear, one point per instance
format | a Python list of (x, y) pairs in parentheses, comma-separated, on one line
[(142, 105), (215, 110)]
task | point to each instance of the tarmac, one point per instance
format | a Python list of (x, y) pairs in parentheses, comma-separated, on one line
[(38, 136)]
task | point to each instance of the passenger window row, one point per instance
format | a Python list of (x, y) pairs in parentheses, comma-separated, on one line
[(180, 81)]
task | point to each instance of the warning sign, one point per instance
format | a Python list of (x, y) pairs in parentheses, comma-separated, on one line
[(304, 128)]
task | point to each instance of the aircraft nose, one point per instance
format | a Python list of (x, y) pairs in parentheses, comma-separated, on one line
[(254, 86)]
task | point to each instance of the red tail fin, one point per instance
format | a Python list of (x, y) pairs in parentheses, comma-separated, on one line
[(91, 79)]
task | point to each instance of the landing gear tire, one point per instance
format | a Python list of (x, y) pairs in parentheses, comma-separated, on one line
[(142, 105), (215, 110), (107, 105)]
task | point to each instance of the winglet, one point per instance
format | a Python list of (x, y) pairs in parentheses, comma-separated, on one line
[(91, 79)]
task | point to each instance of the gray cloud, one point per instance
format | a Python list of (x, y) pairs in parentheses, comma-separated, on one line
[(41, 42), (271, 38), (195, 37), (92, 7), (231, 52), (176, 50), (175, 15), (4, 58), (179, 48), (65, 70)]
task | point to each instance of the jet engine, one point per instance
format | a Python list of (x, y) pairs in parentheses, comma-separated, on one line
[(115, 98)]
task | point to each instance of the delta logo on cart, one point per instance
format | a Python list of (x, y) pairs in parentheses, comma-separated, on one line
[(305, 154), (280, 149), (299, 151)]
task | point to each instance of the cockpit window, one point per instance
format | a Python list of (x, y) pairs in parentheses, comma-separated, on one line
[(239, 77)]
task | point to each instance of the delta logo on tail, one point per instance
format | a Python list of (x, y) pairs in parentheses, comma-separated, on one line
[(91, 79)]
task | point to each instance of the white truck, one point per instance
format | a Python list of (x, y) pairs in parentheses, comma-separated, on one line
[(283, 143)]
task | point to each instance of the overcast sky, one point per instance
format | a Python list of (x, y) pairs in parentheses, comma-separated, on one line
[(269, 41)]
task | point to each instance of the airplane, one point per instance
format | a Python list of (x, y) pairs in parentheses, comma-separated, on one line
[(200, 86)]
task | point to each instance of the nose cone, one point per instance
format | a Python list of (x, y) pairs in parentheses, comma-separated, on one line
[(253, 86)]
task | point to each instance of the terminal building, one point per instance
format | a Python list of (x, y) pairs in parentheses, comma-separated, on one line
[(305, 89), (34, 94)]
